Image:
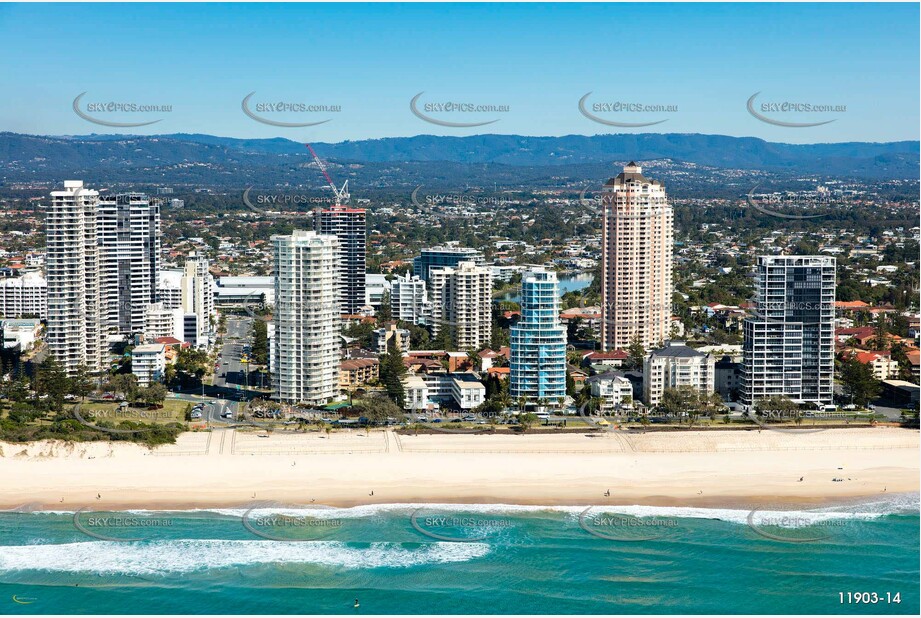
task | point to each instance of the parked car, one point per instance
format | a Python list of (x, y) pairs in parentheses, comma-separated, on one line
[(469, 418)]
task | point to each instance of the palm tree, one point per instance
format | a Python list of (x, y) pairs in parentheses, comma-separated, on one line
[(644, 421), (522, 404), (505, 399)]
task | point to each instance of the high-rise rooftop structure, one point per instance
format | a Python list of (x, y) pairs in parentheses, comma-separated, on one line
[(538, 341), (446, 255), (197, 286), (636, 261), (409, 301), (348, 225), (788, 347), (307, 319), (129, 259), (462, 304), (75, 334)]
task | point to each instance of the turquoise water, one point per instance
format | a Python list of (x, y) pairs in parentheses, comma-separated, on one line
[(505, 560), (567, 283)]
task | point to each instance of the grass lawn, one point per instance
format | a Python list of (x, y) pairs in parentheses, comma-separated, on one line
[(173, 411)]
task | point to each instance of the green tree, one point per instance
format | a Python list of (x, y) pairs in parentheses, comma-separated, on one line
[(525, 421), (51, 381), (385, 313), (570, 384), (124, 384), (636, 353), (776, 407), (153, 395), (881, 335), (392, 371), (859, 382), (81, 383), (680, 401), (378, 409), (260, 349)]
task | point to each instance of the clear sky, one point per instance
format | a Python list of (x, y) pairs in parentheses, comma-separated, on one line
[(537, 59)]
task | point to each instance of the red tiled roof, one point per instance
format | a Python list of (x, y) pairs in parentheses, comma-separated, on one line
[(860, 331), (850, 304)]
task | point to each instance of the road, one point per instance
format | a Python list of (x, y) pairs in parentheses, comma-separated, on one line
[(230, 375), (213, 407), (227, 389)]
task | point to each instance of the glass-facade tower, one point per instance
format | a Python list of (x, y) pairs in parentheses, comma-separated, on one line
[(538, 341)]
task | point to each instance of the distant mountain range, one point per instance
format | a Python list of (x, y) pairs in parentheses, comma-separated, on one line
[(33, 157)]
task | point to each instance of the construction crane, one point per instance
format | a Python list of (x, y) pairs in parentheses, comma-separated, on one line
[(342, 195)]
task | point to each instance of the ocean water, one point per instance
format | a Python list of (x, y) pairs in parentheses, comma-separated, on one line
[(452, 559)]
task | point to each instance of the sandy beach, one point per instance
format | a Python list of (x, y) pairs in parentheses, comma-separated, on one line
[(226, 468)]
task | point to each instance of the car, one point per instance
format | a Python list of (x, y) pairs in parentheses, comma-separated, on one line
[(455, 420), (469, 418), (850, 406), (326, 419), (437, 420), (196, 415), (422, 418)]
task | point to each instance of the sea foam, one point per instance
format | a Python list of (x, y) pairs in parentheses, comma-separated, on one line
[(183, 556)]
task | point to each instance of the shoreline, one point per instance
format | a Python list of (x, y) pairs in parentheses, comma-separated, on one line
[(226, 469), (714, 503)]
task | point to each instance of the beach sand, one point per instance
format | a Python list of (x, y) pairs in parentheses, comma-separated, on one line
[(227, 468)]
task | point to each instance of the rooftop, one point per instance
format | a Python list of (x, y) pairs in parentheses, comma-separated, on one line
[(677, 349)]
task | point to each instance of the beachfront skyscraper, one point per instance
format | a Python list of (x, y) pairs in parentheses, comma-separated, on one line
[(307, 319), (788, 347), (538, 341), (636, 261), (462, 304), (449, 255), (75, 336), (129, 260), (348, 225), (197, 295)]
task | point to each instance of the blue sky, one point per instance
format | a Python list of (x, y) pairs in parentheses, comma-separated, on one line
[(539, 60)]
